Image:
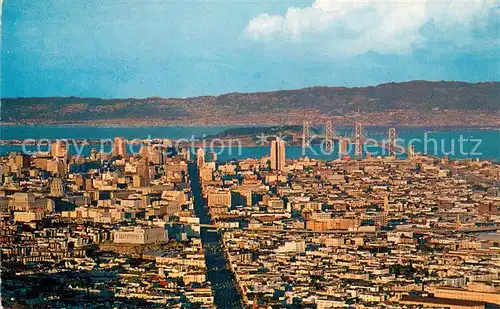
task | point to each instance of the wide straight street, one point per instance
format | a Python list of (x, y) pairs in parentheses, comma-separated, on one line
[(224, 286)]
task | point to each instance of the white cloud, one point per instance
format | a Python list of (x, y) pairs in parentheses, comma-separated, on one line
[(264, 26), (379, 25)]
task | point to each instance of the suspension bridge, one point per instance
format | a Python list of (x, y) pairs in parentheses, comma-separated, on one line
[(358, 139)]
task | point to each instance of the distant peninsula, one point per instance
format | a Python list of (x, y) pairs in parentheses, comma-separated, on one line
[(415, 103)]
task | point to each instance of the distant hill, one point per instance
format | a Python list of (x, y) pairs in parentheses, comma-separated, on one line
[(410, 103)]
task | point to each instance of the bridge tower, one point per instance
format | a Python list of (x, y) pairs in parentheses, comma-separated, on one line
[(358, 151), (392, 141), (329, 136), (305, 135)]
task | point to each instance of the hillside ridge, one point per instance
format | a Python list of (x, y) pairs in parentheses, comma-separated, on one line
[(405, 103)]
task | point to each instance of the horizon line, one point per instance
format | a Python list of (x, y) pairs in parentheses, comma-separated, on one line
[(249, 92)]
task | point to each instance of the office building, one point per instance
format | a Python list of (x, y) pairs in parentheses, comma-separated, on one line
[(140, 235), (58, 149), (278, 154), (200, 157), (57, 187), (119, 146)]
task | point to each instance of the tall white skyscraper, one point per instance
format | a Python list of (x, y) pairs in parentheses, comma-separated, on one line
[(278, 154), (200, 157)]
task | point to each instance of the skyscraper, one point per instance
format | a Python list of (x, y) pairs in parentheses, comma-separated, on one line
[(58, 149), (143, 172), (57, 187), (343, 146), (119, 147), (22, 161), (186, 154), (278, 154), (200, 157)]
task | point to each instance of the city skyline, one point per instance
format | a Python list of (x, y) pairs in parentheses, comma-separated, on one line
[(371, 231), (250, 154)]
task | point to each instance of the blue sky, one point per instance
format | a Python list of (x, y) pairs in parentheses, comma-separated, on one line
[(189, 48)]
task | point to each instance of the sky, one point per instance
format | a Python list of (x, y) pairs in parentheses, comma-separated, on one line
[(142, 48)]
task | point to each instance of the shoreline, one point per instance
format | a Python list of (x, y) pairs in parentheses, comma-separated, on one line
[(200, 125)]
